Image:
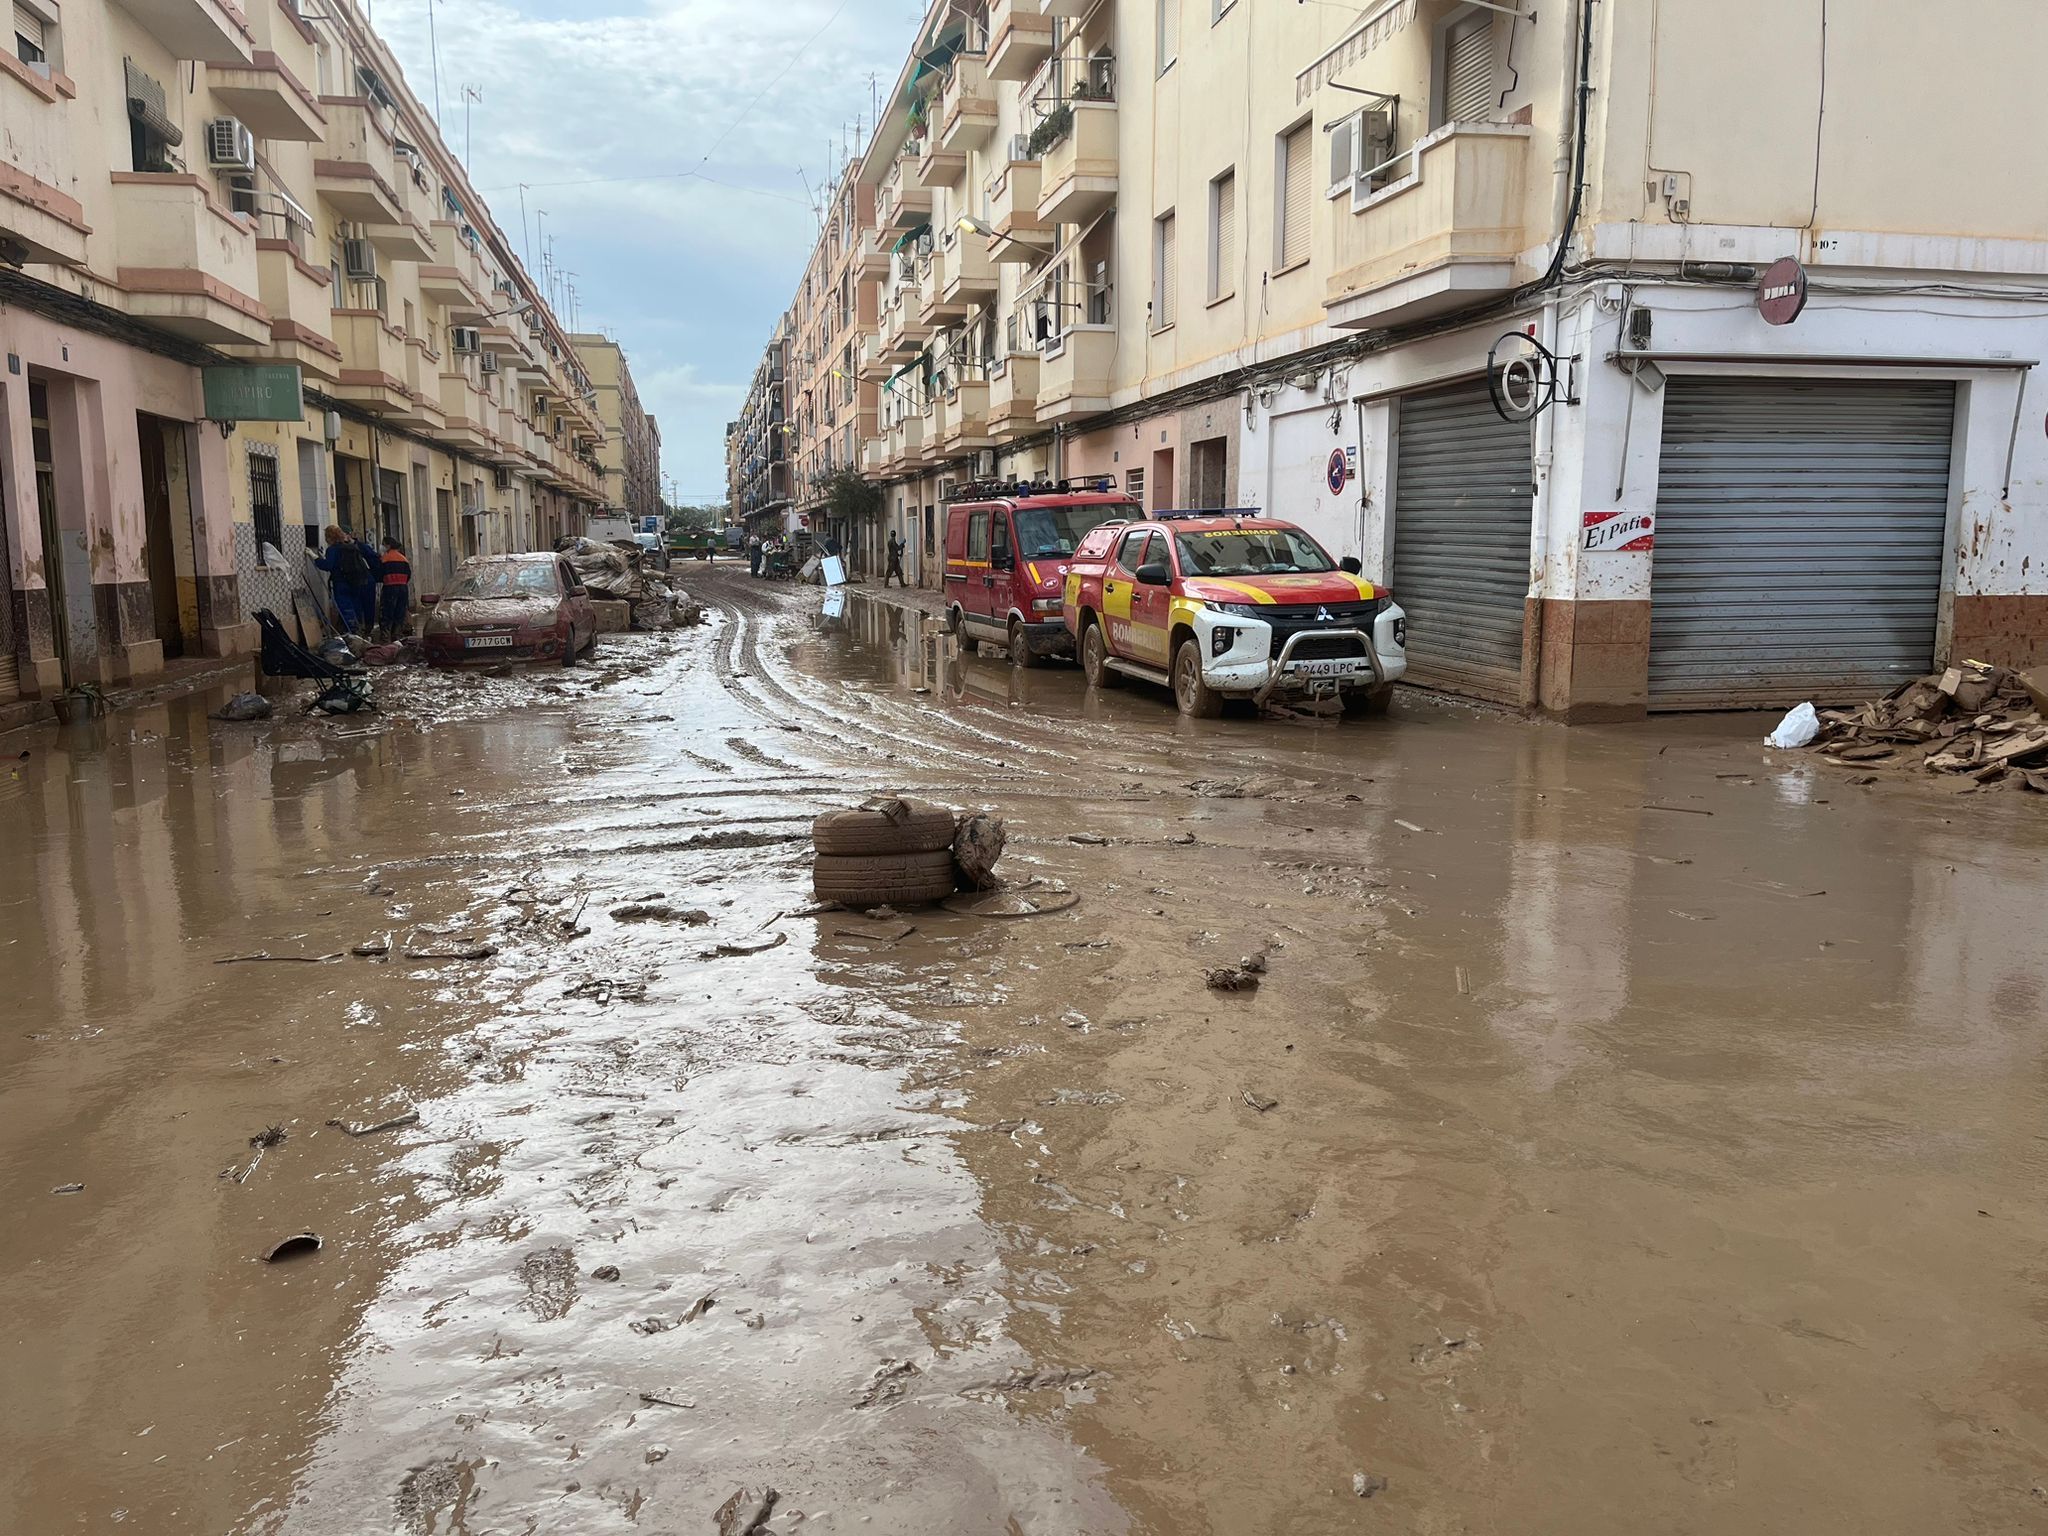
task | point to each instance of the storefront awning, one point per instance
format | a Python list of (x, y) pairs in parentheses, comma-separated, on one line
[(1374, 28)]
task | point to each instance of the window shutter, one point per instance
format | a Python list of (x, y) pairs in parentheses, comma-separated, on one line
[(1221, 258), (1169, 32), (1468, 72), (1294, 208), (29, 25), (1164, 305)]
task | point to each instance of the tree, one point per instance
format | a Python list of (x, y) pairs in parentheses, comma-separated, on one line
[(685, 518), (849, 496)]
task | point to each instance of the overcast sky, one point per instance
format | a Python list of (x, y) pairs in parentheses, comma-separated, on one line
[(687, 271)]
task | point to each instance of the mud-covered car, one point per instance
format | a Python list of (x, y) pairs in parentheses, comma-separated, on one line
[(1231, 605), (510, 608)]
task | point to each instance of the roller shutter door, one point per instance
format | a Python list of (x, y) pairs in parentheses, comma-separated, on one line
[(1462, 493), (1800, 528)]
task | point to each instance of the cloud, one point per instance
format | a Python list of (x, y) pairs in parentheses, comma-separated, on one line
[(670, 144)]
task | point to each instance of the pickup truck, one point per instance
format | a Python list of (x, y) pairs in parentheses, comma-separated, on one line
[(1231, 605)]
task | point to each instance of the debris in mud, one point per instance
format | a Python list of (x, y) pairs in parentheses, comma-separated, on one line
[(894, 935), (352, 1128), (1259, 1101), (602, 989), (740, 947), (1229, 978), (264, 954), (457, 952), (1254, 787), (1364, 1484), (650, 1326), (889, 1382), (244, 706), (269, 1136), (605, 1272), (1034, 898), (371, 949), (1976, 719), (658, 912), (550, 1280), (661, 1400), (1088, 839), (977, 843), (297, 1246), (1032, 1381), (1182, 839), (1254, 964), (68, 1189), (656, 1453), (746, 1511)]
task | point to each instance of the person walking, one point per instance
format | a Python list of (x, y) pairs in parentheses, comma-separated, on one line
[(753, 554), (895, 560), (394, 594), (348, 578)]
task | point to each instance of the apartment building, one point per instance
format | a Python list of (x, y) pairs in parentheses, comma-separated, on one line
[(245, 291), (1743, 311), (629, 454), (832, 409), (757, 445)]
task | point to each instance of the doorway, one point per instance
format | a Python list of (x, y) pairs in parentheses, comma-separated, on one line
[(159, 549), (1210, 468), (1162, 479), (390, 519)]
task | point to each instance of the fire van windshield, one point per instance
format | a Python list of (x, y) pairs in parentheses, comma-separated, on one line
[(1249, 552), (1053, 533)]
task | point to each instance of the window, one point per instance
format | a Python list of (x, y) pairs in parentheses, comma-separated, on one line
[(265, 502), (1222, 236), (1218, 9), (1134, 485), (1291, 183), (1163, 272), (1169, 34), (999, 547), (977, 536), (1131, 552), (1464, 70), (34, 37), (151, 133)]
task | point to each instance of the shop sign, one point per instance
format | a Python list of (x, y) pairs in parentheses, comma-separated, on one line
[(1781, 291), (254, 392), (1606, 533)]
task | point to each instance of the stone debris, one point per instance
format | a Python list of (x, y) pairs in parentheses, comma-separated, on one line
[(1974, 718)]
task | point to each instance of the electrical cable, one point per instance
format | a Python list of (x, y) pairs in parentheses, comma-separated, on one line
[(1821, 116)]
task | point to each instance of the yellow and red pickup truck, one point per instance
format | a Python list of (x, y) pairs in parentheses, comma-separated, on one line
[(1228, 605)]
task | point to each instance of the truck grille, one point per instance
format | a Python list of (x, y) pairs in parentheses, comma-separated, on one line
[(1322, 648), (1290, 619)]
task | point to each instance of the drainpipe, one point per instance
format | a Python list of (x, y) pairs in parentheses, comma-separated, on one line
[(1541, 501), (1567, 109)]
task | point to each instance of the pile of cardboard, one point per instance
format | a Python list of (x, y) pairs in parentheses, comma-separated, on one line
[(1973, 719)]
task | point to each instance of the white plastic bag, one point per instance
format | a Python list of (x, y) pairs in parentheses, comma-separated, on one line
[(1797, 729)]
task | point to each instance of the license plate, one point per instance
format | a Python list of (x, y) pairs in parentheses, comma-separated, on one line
[(1320, 668), (485, 642)]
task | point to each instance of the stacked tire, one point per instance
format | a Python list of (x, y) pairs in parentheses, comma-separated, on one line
[(889, 853)]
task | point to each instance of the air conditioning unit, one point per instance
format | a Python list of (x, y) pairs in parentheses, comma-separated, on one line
[(467, 340), (230, 146), (359, 260), (488, 362)]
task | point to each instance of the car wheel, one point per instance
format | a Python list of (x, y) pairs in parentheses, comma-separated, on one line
[(1368, 703), (956, 625), (1095, 657), (1020, 648), (1197, 700)]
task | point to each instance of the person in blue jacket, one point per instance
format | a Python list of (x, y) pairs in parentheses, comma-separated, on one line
[(351, 579)]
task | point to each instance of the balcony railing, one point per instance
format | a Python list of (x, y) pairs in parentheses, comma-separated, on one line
[(186, 264), (1020, 36)]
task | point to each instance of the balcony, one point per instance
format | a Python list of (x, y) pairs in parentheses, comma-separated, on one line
[(1074, 373), (35, 209), (299, 297), (901, 203), (873, 365), (963, 418), (1013, 397), (363, 179), (872, 260), (1013, 212), (967, 107), (1073, 10), (1020, 38), (184, 263), (456, 278), (466, 411), (874, 456), (940, 167), (211, 31), (967, 274), (269, 99), (374, 362), (1078, 179), (1445, 230), (904, 329)]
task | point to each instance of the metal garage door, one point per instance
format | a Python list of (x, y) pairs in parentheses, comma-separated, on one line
[(1461, 540), (1799, 539)]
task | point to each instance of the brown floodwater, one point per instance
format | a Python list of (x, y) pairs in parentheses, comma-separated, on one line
[(1634, 1130)]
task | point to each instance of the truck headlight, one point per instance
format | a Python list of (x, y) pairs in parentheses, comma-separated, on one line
[(1045, 605), (1221, 639), (1234, 610)]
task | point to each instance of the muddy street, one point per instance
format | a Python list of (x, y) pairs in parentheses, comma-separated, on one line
[(1633, 1130)]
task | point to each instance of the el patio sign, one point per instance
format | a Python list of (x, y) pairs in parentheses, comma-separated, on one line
[(254, 392), (1606, 533)]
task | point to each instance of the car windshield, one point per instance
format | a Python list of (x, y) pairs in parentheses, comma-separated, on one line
[(1250, 552), (512, 578), (1053, 533)]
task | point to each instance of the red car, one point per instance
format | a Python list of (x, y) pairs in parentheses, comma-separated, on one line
[(511, 607), (1007, 549)]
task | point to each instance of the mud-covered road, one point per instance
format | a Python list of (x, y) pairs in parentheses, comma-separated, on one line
[(1633, 1132)]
